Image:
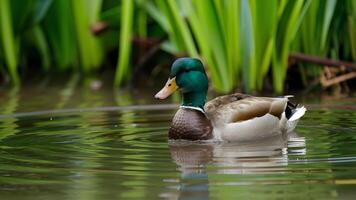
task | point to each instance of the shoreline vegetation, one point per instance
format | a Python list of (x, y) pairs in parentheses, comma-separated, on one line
[(249, 44)]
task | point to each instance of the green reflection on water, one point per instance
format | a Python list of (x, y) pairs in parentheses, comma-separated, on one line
[(8, 126)]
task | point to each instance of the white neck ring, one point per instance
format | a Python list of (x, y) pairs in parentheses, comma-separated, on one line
[(194, 108)]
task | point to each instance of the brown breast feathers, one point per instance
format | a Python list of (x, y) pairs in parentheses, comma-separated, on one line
[(190, 124)]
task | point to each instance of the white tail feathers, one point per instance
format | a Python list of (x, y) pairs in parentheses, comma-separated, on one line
[(298, 113)]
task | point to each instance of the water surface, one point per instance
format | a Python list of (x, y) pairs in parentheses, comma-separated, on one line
[(75, 143)]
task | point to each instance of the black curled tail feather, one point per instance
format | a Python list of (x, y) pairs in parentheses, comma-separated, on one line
[(290, 109)]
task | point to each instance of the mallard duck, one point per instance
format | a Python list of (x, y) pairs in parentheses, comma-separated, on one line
[(235, 117)]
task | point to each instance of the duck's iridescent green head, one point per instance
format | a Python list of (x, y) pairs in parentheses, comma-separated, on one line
[(182, 65), (187, 75)]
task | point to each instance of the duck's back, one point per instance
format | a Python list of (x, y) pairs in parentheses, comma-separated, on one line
[(240, 117), (240, 107)]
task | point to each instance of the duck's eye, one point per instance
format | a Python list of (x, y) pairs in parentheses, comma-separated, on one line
[(169, 85)]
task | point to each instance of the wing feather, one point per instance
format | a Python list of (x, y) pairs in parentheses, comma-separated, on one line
[(239, 107)]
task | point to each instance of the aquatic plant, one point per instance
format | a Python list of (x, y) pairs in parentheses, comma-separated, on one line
[(240, 42), (122, 70), (8, 47)]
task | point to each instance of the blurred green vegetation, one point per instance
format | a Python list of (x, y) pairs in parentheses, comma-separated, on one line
[(240, 42)]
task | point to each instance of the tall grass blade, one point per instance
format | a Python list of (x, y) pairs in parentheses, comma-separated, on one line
[(232, 33), (41, 10), (265, 26), (175, 44), (23, 19), (202, 42), (315, 33), (122, 69), (141, 19), (93, 9), (82, 34), (328, 13), (182, 27), (207, 14), (247, 47), (352, 27), (7, 40), (90, 51), (157, 15), (42, 45), (288, 25), (239, 41), (59, 28)]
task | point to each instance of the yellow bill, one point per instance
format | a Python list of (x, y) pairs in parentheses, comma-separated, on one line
[(168, 89)]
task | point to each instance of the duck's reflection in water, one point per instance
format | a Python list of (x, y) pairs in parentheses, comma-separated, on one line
[(266, 156)]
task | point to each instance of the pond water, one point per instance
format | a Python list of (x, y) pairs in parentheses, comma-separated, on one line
[(75, 143)]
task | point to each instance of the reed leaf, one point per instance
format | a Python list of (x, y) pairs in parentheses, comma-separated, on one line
[(157, 15), (247, 46), (207, 15), (141, 19), (315, 30), (265, 26), (59, 29), (239, 41), (182, 27), (23, 19), (7, 40), (232, 34), (288, 25), (316, 25), (90, 53), (351, 19), (202, 42), (122, 69), (175, 44), (329, 9), (42, 46)]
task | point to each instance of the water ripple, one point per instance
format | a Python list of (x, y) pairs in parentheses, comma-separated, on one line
[(75, 153)]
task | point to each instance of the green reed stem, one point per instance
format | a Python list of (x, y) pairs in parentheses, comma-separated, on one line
[(122, 69), (7, 39)]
